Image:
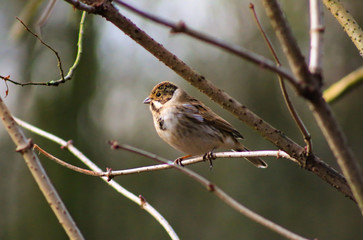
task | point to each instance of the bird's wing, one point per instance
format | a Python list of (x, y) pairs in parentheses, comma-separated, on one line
[(199, 113)]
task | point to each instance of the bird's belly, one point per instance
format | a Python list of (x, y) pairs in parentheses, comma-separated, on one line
[(193, 140)]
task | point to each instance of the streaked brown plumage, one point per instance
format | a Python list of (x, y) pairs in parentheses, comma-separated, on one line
[(189, 126)]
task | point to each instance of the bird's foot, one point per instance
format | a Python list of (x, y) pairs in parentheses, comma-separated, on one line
[(179, 160), (210, 157)]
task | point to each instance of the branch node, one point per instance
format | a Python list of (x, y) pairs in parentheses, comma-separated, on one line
[(25, 146), (179, 27), (109, 174), (68, 143), (114, 145), (278, 155), (211, 187), (142, 201)]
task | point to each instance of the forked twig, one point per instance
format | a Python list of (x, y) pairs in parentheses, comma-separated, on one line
[(63, 78)]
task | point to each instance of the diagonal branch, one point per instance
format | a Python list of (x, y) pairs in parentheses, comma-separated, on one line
[(24, 146), (347, 21)]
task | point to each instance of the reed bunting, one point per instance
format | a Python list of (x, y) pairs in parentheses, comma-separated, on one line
[(189, 126)]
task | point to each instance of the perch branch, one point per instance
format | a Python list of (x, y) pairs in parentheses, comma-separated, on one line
[(114, 173)]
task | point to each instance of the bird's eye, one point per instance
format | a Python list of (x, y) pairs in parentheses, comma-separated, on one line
[(158, 94)]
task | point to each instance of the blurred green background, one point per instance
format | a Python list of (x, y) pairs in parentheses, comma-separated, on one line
[(104, 101)]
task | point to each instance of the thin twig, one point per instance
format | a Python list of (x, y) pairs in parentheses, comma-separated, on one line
[(321, 110), (300, 124), (316, 37), (68, 145), (49, 47), (79, 47), (46, 13), (67, 165), (24, 146), (347, 21)]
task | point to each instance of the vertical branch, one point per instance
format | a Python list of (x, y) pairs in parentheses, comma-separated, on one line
[(347, 21), (321, 110), (316, 37), (24, 146)]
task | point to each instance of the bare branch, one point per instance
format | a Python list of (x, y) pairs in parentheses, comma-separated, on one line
[(147, 207), (321, 110), (24, 146)]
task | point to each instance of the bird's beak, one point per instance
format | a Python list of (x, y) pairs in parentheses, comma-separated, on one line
[(147, 100)]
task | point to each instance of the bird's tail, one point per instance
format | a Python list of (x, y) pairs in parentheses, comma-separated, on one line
[(258, 162)]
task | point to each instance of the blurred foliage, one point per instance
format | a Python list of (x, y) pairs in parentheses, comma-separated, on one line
[(104, 101)]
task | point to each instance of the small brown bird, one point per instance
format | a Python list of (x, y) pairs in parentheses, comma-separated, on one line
[(189, 126)]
